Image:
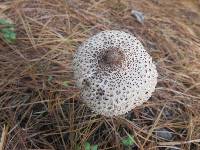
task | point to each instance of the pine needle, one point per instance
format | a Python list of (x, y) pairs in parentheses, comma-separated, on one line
[(3, 137)]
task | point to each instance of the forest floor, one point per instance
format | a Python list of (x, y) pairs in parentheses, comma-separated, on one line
[(40, 107)]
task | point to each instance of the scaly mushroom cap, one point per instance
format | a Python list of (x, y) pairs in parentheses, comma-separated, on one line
[(114, 72)]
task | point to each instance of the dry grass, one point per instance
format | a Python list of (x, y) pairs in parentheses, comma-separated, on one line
[(41, 106), (3, 137)]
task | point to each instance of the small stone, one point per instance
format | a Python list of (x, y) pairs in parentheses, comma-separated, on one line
[(175, 148), (164, 133), (138, 15)]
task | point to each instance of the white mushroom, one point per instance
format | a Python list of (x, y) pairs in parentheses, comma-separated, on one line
[(114, 72)]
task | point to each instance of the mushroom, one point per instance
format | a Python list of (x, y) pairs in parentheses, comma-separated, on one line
[(114, 73)]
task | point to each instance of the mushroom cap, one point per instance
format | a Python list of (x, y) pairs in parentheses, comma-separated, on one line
[(114, 72)]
